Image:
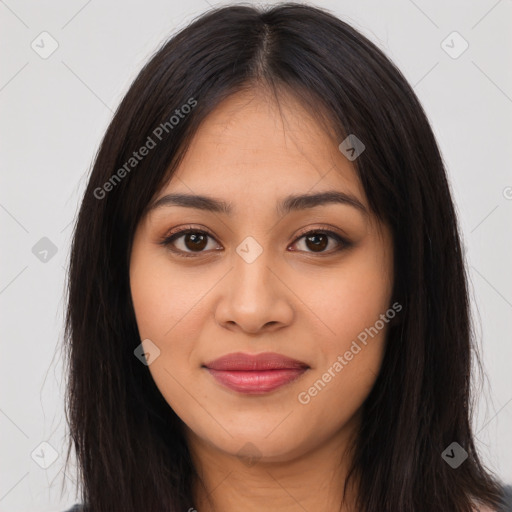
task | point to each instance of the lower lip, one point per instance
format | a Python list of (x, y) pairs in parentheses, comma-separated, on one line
[(256, 382)]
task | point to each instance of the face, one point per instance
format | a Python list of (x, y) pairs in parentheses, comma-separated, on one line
[(309, 280)]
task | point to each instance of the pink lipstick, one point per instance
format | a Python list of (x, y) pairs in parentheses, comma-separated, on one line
[(255, 373)]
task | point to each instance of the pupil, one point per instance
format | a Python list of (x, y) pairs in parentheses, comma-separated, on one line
[(314, 239), (198, 240)]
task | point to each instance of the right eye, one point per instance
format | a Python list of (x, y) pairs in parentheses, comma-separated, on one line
[(192, 241)]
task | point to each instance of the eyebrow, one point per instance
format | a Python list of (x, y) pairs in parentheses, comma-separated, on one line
[(290, 203)]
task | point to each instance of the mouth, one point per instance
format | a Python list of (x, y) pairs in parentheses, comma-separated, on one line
[(255, 374)]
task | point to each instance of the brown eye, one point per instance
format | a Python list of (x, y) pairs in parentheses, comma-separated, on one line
[(318, 240), (187, 242), (195, 241)]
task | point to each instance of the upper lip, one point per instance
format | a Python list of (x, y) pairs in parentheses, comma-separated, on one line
[(253, 362)]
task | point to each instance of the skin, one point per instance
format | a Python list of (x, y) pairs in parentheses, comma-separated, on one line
[(303, 303)]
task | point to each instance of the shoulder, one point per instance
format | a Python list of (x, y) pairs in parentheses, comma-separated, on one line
[(75, 508), (506, 502), (507, 498)]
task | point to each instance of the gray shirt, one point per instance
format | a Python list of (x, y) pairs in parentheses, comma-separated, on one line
[(507, 502)]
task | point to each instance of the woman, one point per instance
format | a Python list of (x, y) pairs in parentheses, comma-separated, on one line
[(267, 295)]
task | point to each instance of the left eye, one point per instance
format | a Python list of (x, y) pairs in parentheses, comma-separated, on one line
[(319, 240), (195, 241)]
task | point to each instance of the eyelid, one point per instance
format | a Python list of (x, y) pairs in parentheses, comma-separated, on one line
[(184, 229), (332, 232), (323, 228)]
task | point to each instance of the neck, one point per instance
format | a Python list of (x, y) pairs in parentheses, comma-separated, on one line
[(313, 480)]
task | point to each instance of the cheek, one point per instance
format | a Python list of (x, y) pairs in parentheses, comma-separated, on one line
[(167, 310), (351, 361), (164, 300), (352, 301), (353, 346)]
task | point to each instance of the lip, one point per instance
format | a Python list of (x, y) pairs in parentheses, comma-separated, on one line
[(255, 373)]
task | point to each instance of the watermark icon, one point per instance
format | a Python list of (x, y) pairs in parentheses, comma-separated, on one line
[(157, 135), (454, 45), (249, 249), (44, 250), (147, 352), (44, 45), (507, 193), (454, 455), (304, 397), (44, 455), (249, 454), (352, 147)]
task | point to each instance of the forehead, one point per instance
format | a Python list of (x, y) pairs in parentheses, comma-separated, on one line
[(250, 144)]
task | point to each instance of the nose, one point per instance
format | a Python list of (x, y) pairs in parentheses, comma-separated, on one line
[(254, 298)]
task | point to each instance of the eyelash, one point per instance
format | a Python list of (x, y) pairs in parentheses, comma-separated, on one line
[(171, 237)]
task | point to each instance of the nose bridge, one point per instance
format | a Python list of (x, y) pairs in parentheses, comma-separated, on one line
[(255, 297), (252, 270)]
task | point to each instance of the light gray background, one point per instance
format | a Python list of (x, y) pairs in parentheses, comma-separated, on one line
[(54, 112)]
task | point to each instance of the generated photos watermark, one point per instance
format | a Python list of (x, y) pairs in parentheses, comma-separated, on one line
[(152, 141), (304, 397)]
